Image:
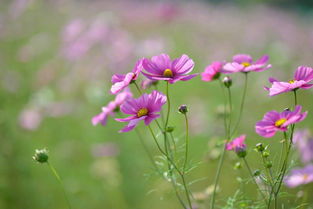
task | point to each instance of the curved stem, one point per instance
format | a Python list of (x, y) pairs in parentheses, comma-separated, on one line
[(187, 142), (147, 151), (217, 176), (55, 173), (242, 103), (252, 176), (174, 165), (230, 112)]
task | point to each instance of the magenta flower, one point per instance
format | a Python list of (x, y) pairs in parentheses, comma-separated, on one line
[(121, 81), (299, 176), (142, 108), (237, 144), (162, 68), (302, 77), (274, 121), (212, 71), (111, 108), (244, 63), (304, 143)]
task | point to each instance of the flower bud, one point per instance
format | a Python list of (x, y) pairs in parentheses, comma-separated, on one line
[(256, 173), (268, 164), (170, 129), (41, 156), (241, 152), (260, 147), (266, 154), (237, 166), (183, 109), (227, 81)]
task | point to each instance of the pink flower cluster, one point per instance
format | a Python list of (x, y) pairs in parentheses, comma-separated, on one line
[(146, 107)]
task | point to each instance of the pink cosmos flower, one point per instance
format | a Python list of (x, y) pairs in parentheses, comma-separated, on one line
[(237, 144), (212, 71), (299, 176), (121, 81), (244, 63), (304, 143), (302, 77), (142, 108), (161, 67), (111, 108), (274, 121)]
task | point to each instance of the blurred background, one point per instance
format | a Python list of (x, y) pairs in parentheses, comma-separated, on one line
[(56, 61)]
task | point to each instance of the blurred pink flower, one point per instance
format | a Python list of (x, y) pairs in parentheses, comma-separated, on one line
[(30, 118), (107, 149), (302, 77), (304, 143), (299, 176), (121, 81), (212, 71), (244, 63), (237, 144), (111, 107)]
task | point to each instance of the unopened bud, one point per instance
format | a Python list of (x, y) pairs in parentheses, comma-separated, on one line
[(266, 154), (259, 147), (170, 129), (256, 172), (41, 156), (237, 166), (241, 152), (183, 109), (227, 81), (269, 164)]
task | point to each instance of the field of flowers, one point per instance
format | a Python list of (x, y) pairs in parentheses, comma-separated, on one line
[(57, 59)]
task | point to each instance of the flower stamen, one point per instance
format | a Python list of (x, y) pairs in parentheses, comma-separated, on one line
[(305, 177), (280, 122), (291, 81), (142, 112), (246, 64), (168, 73)]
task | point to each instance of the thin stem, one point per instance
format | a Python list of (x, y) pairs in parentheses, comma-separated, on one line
[(174, 143), (168, 105), (147, 151), (230, 111), (137, 87), (187, 142), (221, 161), (217, 176), (174, 165), (252, 176), (55, 173), (242, 104), (295, 97)]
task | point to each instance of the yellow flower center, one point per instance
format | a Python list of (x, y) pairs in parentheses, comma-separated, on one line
[(305, 177), (280, 122), (168, 73), (291, 81), (142, 112), (246, 64)]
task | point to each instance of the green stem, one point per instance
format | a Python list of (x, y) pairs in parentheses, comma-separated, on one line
[(252, 176), (174, 165), (242, 104), (217, 176), (230, 112), (187, 142), (137, 87), (55, 173), (168, 105), (147, 151), (221, 161)]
